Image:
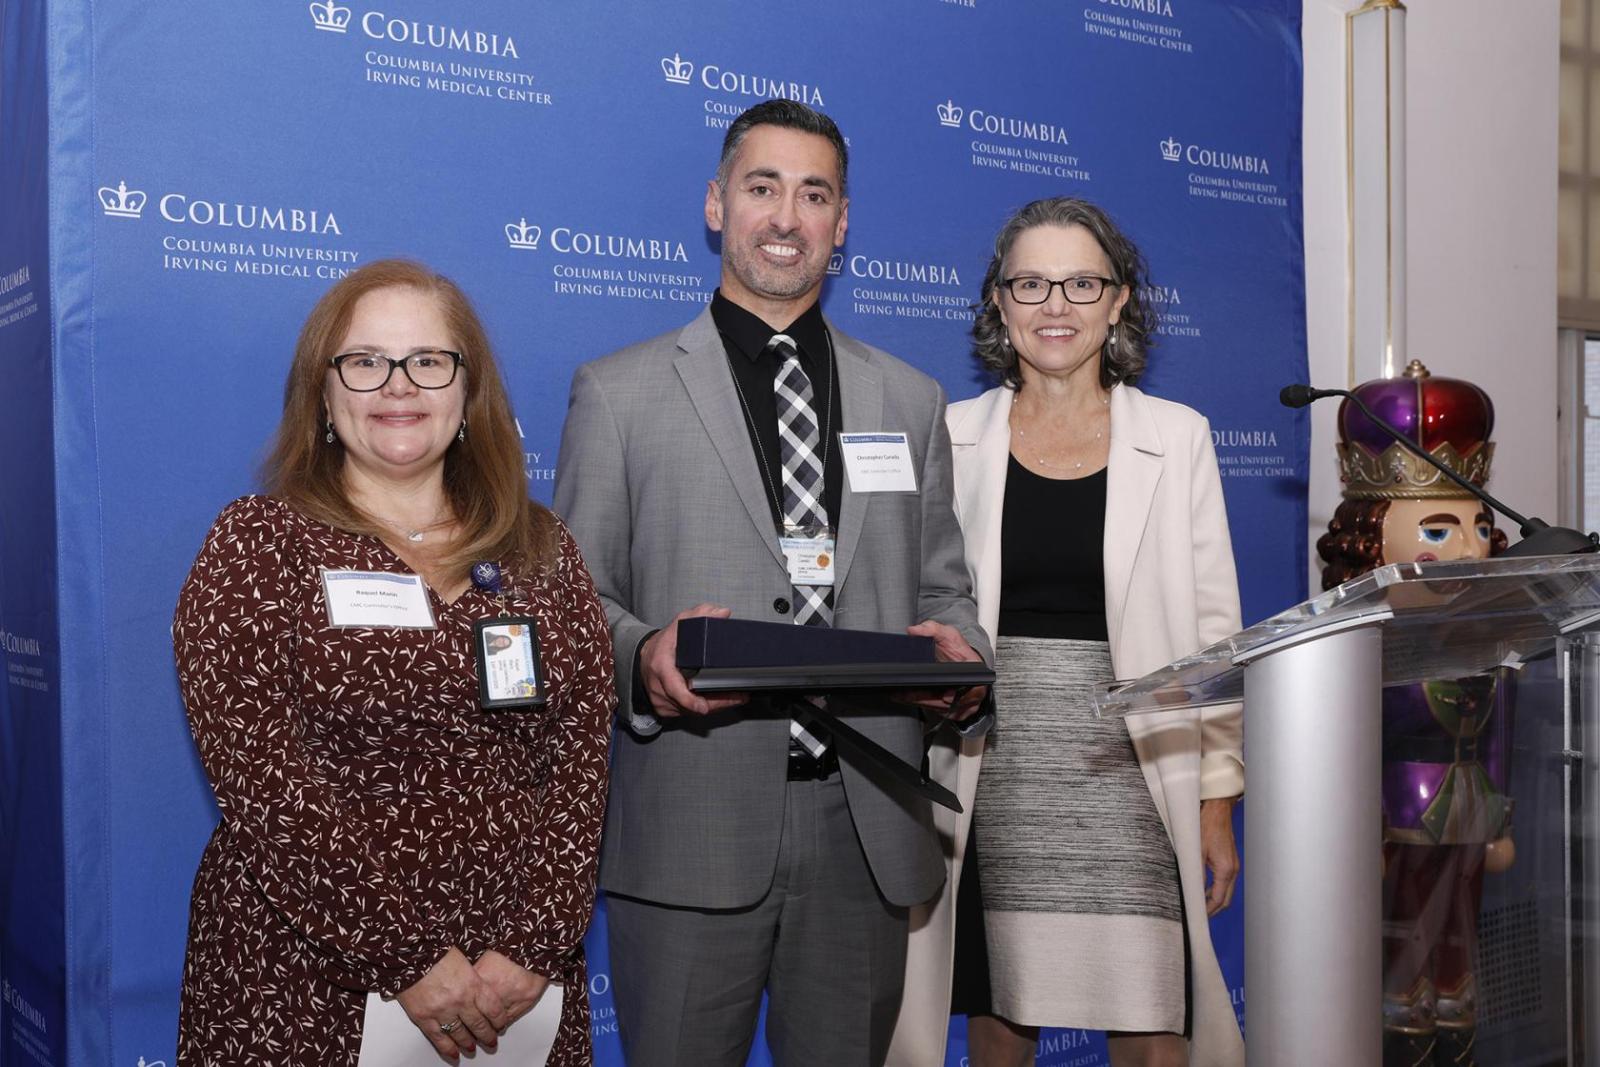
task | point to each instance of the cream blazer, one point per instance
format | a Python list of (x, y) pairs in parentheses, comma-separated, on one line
[(1170, 590)]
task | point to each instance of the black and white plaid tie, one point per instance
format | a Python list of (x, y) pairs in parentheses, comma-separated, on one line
[(801, 482)]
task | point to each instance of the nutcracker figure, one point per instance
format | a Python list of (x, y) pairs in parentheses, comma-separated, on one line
[(1446, 742)]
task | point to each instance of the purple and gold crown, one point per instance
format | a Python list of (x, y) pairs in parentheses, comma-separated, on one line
[(1451, 419)]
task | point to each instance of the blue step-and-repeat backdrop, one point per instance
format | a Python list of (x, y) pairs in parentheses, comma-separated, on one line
[(180, 181)]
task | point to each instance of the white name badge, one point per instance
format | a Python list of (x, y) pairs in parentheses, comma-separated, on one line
[(376, 599), (390, 1039), (810, 556), (878, 462)]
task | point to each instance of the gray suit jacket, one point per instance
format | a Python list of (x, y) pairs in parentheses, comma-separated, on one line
[(659, 483)]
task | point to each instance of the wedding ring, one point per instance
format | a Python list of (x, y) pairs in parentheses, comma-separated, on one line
[(445, 1028)]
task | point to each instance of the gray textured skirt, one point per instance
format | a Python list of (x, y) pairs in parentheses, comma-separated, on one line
[(1081, 901)]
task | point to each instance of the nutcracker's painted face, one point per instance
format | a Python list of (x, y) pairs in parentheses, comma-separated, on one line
[(1419, 531)]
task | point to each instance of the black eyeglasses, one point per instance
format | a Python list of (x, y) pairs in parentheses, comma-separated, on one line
[(367, 372), (1079, 289)]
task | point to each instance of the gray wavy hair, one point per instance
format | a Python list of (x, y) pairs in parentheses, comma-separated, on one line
[(1123, 361)]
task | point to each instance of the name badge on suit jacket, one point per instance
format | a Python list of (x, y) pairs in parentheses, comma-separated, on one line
[(878, 462)]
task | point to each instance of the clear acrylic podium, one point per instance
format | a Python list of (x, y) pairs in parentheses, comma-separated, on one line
[(1310, 679)]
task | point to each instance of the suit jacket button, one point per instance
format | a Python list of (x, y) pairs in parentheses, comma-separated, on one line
[(781, 606)]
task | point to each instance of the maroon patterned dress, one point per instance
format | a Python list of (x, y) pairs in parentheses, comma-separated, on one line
[(372, 814)]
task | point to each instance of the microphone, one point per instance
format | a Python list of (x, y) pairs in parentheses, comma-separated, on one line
[(1539, 538), (1298, 396)]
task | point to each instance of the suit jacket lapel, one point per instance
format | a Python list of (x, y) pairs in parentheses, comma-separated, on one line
[(703, 366), (861, 406), (981, 443), (1134, 471)]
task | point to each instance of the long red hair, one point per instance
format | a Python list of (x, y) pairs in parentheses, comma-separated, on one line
[(483, 475)]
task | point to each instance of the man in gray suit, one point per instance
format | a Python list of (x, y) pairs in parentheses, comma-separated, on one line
[(703, 473)]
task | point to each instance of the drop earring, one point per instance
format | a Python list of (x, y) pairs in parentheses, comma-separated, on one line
[(461, 434), (328, 437)]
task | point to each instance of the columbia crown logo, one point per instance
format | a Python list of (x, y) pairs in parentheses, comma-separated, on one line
[(330, 16), (950, 114), (520, 235), (836, 263), (677, 69), (1171, 149), (122, 202)]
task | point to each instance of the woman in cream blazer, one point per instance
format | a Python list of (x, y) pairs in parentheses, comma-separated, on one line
[(1170, 589)]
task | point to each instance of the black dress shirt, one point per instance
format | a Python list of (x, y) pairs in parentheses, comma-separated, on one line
[(755, 367)]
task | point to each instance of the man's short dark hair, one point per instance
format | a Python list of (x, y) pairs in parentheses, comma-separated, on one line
[(791, 116)]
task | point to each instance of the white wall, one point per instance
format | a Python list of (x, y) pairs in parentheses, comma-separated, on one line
[(1481, 112)]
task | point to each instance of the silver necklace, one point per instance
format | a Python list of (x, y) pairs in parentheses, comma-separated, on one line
[(415, 534), (1038, 457)]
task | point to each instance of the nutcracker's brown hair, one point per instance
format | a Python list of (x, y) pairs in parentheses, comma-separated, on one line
[(1353, 544)]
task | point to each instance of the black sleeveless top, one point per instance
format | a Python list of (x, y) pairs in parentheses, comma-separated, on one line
[(1052, 575)]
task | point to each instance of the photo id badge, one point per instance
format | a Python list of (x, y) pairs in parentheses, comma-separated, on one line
[(509, 675), (809, 552)]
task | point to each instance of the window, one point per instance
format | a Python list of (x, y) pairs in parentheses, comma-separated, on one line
[(1578, 198)]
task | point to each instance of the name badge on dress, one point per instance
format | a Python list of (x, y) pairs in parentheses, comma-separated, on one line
[(376, 599), (878, 462), (809, 552)]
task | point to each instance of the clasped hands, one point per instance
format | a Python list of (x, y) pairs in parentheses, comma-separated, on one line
[(670, 695), (459, 1005)]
